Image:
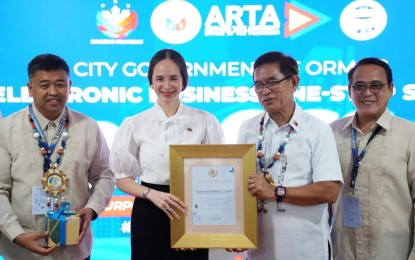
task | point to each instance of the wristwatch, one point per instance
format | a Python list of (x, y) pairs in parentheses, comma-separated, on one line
[(280, 192)]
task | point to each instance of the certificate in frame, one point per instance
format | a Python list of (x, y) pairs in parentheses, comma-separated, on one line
[(228, 167)]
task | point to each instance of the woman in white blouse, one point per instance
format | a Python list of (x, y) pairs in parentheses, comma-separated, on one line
[(141, 150)]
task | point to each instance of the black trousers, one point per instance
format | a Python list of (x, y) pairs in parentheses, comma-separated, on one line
[(150, 232)]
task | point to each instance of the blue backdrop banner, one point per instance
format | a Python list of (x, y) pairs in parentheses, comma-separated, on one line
[(108, 45)]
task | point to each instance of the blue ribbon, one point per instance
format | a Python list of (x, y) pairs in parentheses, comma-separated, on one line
[(61, 215)]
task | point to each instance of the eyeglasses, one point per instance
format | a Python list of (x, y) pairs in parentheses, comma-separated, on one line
[(375, 87), (270, 85)]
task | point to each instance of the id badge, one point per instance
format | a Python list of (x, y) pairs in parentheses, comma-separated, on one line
[(351, 212), (39, 201)]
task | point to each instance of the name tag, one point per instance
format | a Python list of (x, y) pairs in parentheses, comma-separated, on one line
[(39, 201), (351, 212)]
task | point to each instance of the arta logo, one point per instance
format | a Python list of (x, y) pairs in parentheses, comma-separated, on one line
[(176, 22), (116, 23)]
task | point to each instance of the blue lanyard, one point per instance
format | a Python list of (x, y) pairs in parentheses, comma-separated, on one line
[(357, 158), (43, 143)]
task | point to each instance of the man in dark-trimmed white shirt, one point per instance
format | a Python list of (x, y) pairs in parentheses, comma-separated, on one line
[(298, 170)]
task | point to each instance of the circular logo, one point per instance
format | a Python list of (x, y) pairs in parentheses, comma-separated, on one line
[(176, 22), (212, 172), (363, 20)]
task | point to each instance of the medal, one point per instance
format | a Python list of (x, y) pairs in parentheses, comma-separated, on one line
[(54, 182)]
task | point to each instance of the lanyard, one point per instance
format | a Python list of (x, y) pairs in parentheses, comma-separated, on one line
[(43, 143), (357, 158)]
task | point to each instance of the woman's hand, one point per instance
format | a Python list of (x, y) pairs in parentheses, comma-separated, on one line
[(168, 203)]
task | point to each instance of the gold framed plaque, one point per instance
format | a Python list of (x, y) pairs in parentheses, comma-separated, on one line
[(212, 181)]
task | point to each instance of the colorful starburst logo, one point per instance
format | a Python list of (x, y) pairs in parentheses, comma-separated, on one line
[(116, 23)]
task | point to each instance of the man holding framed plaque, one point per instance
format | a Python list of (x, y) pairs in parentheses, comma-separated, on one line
[(298, 169)]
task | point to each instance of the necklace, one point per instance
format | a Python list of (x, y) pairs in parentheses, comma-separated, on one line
[(262, 205), (54, 181)]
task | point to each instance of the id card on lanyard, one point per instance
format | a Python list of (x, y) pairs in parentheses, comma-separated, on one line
[(351, 205), (351, 212)]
